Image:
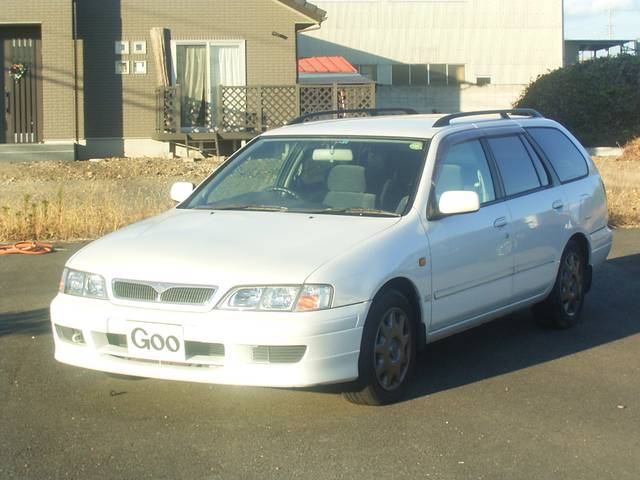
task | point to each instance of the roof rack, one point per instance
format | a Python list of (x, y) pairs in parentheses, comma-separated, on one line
[(372, 112), (505, 114)]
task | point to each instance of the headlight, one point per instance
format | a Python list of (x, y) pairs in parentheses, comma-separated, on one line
[(279, 298), (83, 284)]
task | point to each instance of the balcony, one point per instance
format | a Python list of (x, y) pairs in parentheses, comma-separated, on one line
[(241, 113)]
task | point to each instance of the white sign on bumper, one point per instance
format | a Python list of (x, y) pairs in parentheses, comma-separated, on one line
[(156, 341)]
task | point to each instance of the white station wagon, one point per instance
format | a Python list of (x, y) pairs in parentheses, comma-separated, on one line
[(333, 251)]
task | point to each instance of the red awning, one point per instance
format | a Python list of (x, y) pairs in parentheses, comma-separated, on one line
[(325, 65)]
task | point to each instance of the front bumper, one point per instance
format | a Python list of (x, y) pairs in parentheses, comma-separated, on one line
[(236, 348)]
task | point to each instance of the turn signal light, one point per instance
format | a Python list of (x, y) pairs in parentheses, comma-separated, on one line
[(308, 302)]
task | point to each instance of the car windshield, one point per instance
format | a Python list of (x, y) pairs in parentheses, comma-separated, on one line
[(343, 176)]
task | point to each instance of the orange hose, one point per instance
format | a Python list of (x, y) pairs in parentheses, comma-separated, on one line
[(26, 248)]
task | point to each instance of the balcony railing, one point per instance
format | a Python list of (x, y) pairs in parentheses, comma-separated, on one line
[(244, 112)]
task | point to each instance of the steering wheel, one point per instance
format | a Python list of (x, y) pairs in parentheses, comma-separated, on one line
[(285, 191)]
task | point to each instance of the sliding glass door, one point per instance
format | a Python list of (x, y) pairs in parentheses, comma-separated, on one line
[(191, 75), (200, 67)]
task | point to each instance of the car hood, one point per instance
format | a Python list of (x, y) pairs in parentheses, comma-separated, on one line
[(226, 247)]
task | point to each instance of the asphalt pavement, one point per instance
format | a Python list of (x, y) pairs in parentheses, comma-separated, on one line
[(507, 400)]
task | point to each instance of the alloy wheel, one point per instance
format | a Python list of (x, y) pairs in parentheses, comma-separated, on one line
[(392, 349), (571, 287)]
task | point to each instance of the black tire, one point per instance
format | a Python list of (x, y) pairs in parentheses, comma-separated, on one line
[(387, 351), (563, 306)]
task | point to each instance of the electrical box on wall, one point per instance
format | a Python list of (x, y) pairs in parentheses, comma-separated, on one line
[(122, 47), (122, 67), (140, 67)]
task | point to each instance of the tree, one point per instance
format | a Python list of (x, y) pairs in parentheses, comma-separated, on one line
[(598, 100)]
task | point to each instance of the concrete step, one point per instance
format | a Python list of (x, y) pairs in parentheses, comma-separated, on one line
[(28, 152)]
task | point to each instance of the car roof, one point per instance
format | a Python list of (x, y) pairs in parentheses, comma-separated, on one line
[(419, 126), (401, 126)]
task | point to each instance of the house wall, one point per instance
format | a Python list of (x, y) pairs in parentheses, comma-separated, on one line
[(510, 41), (55, 20), (448, 99), (122, 107)]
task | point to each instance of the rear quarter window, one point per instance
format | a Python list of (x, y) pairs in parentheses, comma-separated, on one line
[(564, 156), (515, 165)]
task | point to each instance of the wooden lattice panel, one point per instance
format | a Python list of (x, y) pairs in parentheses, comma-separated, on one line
[(239, 109), (358, 96), (258, 108), (168, 111), (278, 106), (316, 99)]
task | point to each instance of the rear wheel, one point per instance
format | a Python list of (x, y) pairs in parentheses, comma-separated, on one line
[(387, 352), (563, 307)]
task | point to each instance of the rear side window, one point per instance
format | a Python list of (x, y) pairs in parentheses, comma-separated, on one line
[(566, 159), (516, 167)]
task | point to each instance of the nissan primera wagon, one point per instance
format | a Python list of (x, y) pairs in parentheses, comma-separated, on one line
[(333, 251)]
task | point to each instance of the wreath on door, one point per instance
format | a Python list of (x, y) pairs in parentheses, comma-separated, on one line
[(17, 71)]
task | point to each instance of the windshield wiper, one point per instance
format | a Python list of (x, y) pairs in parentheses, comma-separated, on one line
[(356, 211), (246, 206)]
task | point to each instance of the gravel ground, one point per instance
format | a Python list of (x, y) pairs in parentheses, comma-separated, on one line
[(107, 169)]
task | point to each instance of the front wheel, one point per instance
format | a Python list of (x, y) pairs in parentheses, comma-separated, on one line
[(387, 352), (563, 307)]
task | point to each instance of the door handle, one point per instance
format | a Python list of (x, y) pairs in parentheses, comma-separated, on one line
[(7, 96), (557, 205), (500, 222)]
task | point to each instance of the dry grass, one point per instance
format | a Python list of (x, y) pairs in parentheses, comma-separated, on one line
[(83, 200), (621, 178), (622, 181), (76, 213), (631, 151)]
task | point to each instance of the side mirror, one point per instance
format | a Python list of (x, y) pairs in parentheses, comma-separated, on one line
[(458, 201), (180, 191)]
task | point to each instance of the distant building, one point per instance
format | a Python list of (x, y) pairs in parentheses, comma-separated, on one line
[(445, 55), (581, 50)]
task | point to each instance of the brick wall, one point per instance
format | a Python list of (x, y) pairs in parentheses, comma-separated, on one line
[(124, 105), (55, 18)]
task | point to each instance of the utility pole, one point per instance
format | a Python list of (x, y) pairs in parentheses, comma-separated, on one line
[(610, 25)]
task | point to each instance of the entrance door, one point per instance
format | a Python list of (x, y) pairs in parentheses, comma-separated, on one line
[(21, 85), (200, 67)]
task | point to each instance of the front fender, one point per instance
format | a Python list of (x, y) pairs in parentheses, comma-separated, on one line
[(360, 272)]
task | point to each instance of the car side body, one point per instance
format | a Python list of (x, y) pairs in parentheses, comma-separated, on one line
[(460, 276)]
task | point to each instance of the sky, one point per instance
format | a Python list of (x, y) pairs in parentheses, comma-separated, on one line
[(590, 19)]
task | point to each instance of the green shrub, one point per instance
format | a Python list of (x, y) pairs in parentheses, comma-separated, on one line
[(598, 100)]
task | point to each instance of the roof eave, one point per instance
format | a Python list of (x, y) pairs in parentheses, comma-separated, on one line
[(307, 9)]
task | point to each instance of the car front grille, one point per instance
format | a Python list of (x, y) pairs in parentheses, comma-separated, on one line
[(162, 292)]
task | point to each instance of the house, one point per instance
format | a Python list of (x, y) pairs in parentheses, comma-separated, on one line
[(445, 55), (93, 78)]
